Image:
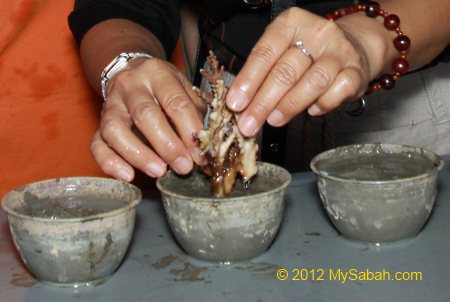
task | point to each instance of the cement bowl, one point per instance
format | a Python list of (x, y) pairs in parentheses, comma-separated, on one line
[(227, 229), (377, 193), (72, 231)]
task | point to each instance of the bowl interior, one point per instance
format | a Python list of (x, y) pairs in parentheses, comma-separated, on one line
[(196, 185), (77, 198), (376, 163)]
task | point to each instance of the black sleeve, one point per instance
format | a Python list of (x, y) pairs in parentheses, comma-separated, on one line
[(161, 17)]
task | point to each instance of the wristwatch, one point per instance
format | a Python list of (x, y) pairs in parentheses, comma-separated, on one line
[(118, 64)]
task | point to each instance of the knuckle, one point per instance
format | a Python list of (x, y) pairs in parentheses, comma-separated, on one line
[(94, 147), (263, 106), (285, 74), (107, 163), (264, 53), (291, 104), (176, 103), (318, 79), (109, 129), (143, 110)]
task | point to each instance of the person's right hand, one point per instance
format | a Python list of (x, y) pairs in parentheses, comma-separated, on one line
[(148, 122)]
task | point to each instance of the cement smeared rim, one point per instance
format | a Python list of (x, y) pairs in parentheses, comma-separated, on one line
[(228, 199), (135, 192), (429, 155)]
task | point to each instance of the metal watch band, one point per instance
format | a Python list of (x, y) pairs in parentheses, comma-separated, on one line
[(118, 64)]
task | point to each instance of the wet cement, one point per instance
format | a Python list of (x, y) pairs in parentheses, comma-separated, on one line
[(197, 185), (68, 206), (376, 167)]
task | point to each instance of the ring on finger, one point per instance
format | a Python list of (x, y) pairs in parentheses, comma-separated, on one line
[(301, 46)]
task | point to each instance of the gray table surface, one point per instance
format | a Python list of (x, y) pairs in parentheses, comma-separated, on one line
[(156, 269)]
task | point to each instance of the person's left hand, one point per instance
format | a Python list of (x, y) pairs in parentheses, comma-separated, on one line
[(278, 81)]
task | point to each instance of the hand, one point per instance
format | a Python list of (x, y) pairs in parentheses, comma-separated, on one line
[(278, 81), (148, 121)]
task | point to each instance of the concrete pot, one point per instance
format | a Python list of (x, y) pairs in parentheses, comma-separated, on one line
[(64, 238), (377, 193), (225, 229)]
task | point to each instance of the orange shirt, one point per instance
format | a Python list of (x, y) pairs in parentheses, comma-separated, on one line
[(48, 113)]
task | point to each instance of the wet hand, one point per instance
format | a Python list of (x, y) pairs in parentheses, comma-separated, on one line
[(148, 121)]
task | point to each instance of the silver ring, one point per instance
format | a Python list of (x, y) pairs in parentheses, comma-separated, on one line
[(301, 46)]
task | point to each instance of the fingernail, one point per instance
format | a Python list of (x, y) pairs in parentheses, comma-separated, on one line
[(155, 169), (124, 175), (248, 126), (275, 118), (236, 99), (314, 110), (182, 165)]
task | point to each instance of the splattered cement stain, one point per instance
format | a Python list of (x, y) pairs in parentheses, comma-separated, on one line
[(183, 270), (259, 268), (164, 262), (190, 273)]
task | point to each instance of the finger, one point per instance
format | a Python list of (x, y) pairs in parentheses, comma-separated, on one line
[(347, 85), (273, 43), (146, 113), (108, 160), (281, 78), (178, 103), (115, 130), (201, 108), (315, 82), (199, 104)]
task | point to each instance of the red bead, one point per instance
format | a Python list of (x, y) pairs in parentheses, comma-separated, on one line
[(351, 9), (392, 22), (330, 16), (372, 9), (369, 90), (342, 12), (387, 82), (400, 65), (402, 42)]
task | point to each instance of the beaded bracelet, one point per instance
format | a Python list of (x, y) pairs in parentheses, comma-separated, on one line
[(401, 42)]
